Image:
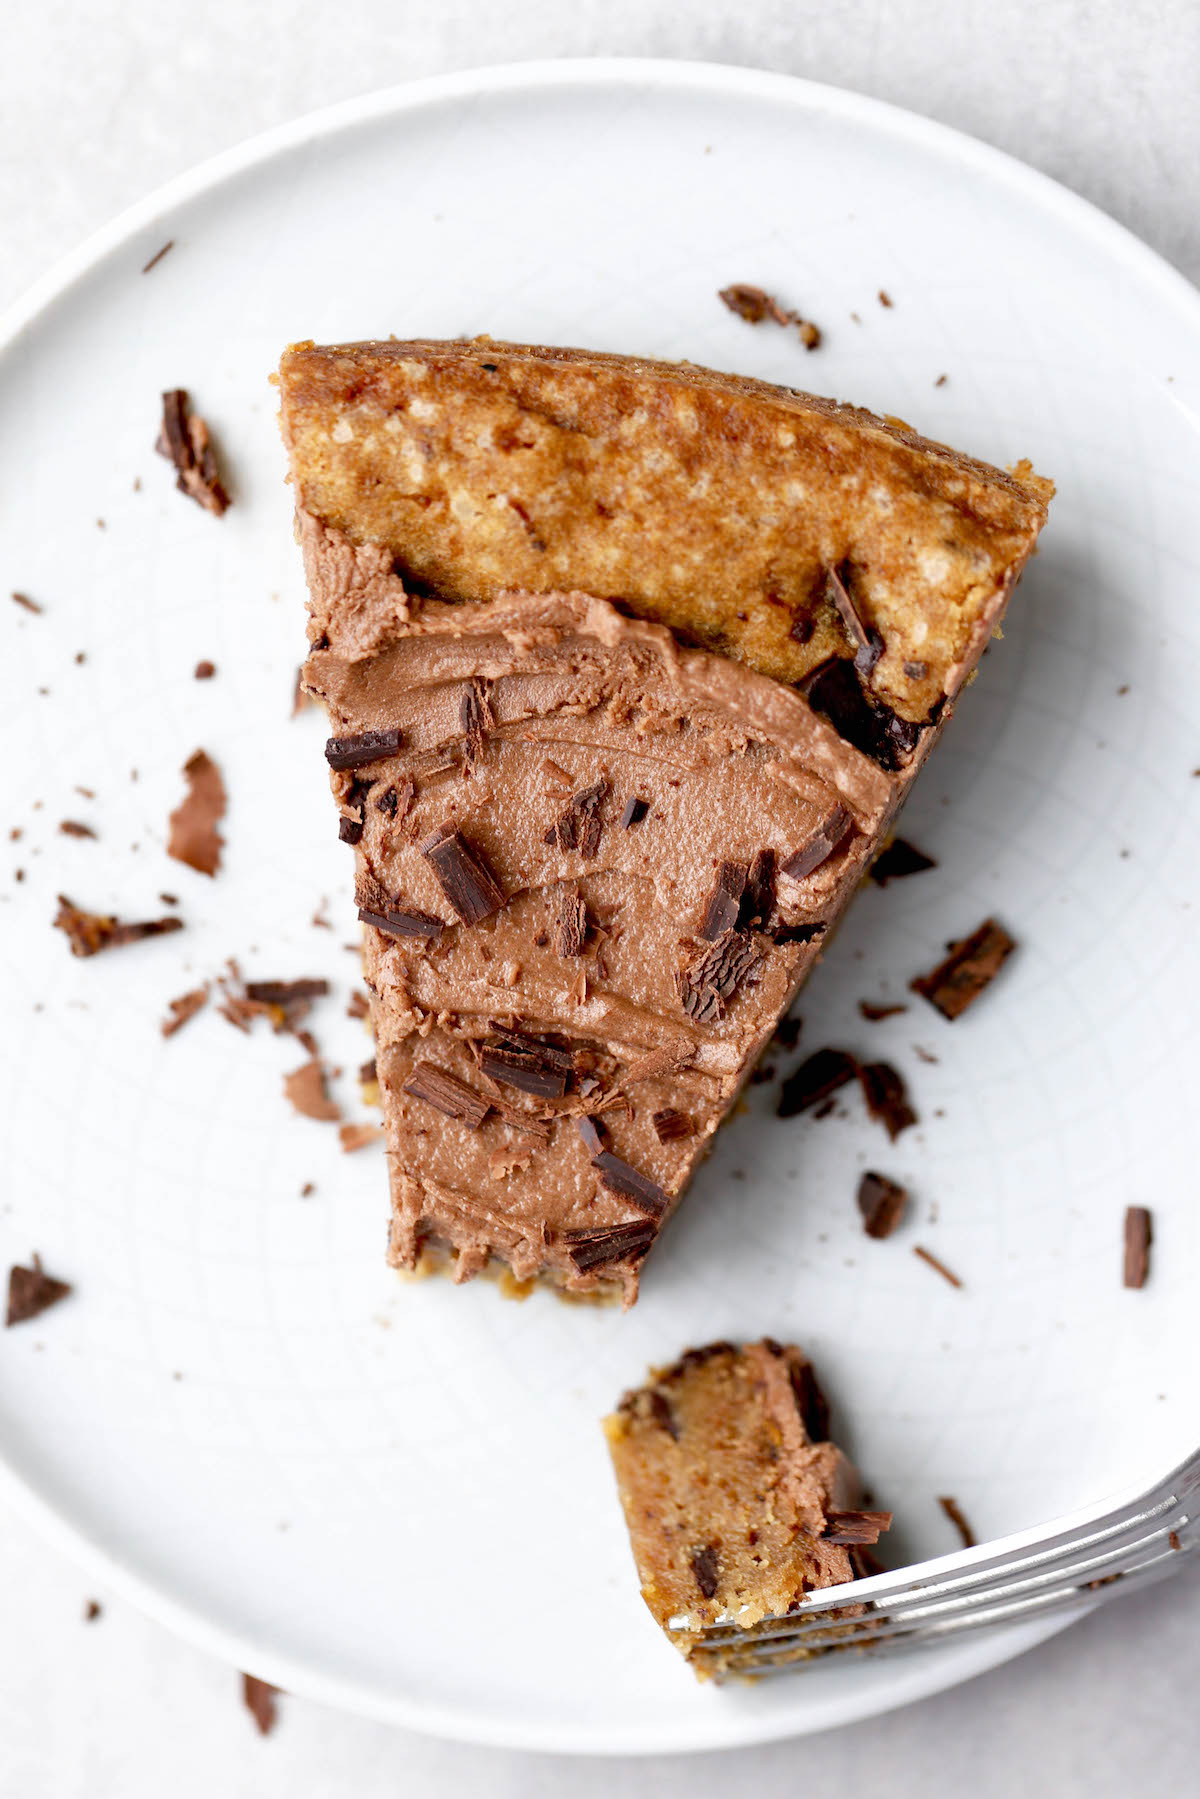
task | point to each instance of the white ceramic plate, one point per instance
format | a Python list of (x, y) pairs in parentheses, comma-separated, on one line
[(396, 1497)]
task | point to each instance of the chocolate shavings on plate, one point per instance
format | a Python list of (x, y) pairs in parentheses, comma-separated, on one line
[(578, 826), (444, 1091), (357, 1136), (886, 1096), (286, 993), (868, 644), (820, 846), (671, 1126), (707, 1570), (183, 439), (158, 256), (193, 837), (1138, 1234), (307, 1090), (972, 963), (570, 921), (938, 1267), (874, 1013), (620, 1178), (258, 1696), (183, 1008), (723, 904), (833, 690), (23, 600), (71, 827), (882, 1203), (715, 975), (366, 747), (595, 1249), (855, 1527), (819, 1076), (899, 860), (31, 1291), (635, 808), (954, 1512), (463, 875), (91, 932)]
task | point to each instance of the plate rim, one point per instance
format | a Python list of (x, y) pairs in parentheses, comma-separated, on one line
[(916, 1677)]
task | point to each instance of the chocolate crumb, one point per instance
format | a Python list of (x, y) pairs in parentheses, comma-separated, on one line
[(71, 827), (591, 1131), (357, 1136), (308, 1189), (714, 976), (463, 875), (885, 299), (444, 1091), (886, 1096), (882, 1203), (723, 905), (31, 1291), (819, 1076), (868, 644), (635, 810), (971, 965), (307, 1090), (358, 1006), (623, 1242), (91, 932), (286, 993), (158, 256), (570, 922), (707, 1570), (366, 747), (183, 1008), (753, 304), (1173, 1539), (403, 921), (579, 826), (833, 689), (938, 1267), (787, 1031), (23, 600), (92, 1609), (941, 381), (874, 1013), (670, 1126), (855, 1527), (193, 836), (1138, 1235), (639, 1189), (899, 859), (827, 837), (258, 1696), (954, 1512), (204, 671), (183, 439)]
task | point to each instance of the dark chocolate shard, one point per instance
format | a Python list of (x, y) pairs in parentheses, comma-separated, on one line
[(403, 921), (758, 899), (723, 904), (183, 1008), (476, 717), (570, 921), (972, 963), (258, 1696), (715, 975), (833, 690), (622, 1243), (868, 644), (827, 837), (183, 439), (523, 1069), (882, 1203), (886, 1096), (350, 830), (444, 1091), (358, 751), (639, 1189), (193, 837), (579, 826), (671, 1126), (1138, 1234), (286, 993), (31, 1291), (463, 875), (91, 932), (820, 1075), (71, 827), (707, 1569), (591, 1132), (797, 933), (811, 1403), (899, 859), (635, 810), (855, 1527), (787, 1031), (875, 1012), (954, 1512)]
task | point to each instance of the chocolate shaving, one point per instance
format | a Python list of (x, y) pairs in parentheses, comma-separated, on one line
[(23, 600), (868, 644), (570, 922), (193, 836), (183, 439), (758, 898), (158, 256), (366, 747), (595, 1249), (639, 1189), (476, 717), (657, 1062), (811, 1403), (671, 1126), (938, 1267), (971, 964), (591, 1131), (723, 904), (92, 1610), (357, 1136), (882, 1203), (306, 1089), (816, 1078), (716, 974), (183, 1008), (258, 1696), (301, 698), (403, 921), (71, 827), (31, 1291), (855, 1527), (286, 993), (358, 1005), (91, 932), (578, 826), (350, 830), (871, 726), (463, 875), (953, 1511), (787, 1031), (886, 1096), (820, 846), (443, 1090), (523, 1067), (707, 1570), (635, 808), (875, 1013), (898, 860), (1138, 1234)]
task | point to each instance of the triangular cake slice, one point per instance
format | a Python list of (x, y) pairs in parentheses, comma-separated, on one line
[(628, 666)]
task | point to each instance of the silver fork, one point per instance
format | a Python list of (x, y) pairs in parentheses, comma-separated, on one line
[(1073, 1562)]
